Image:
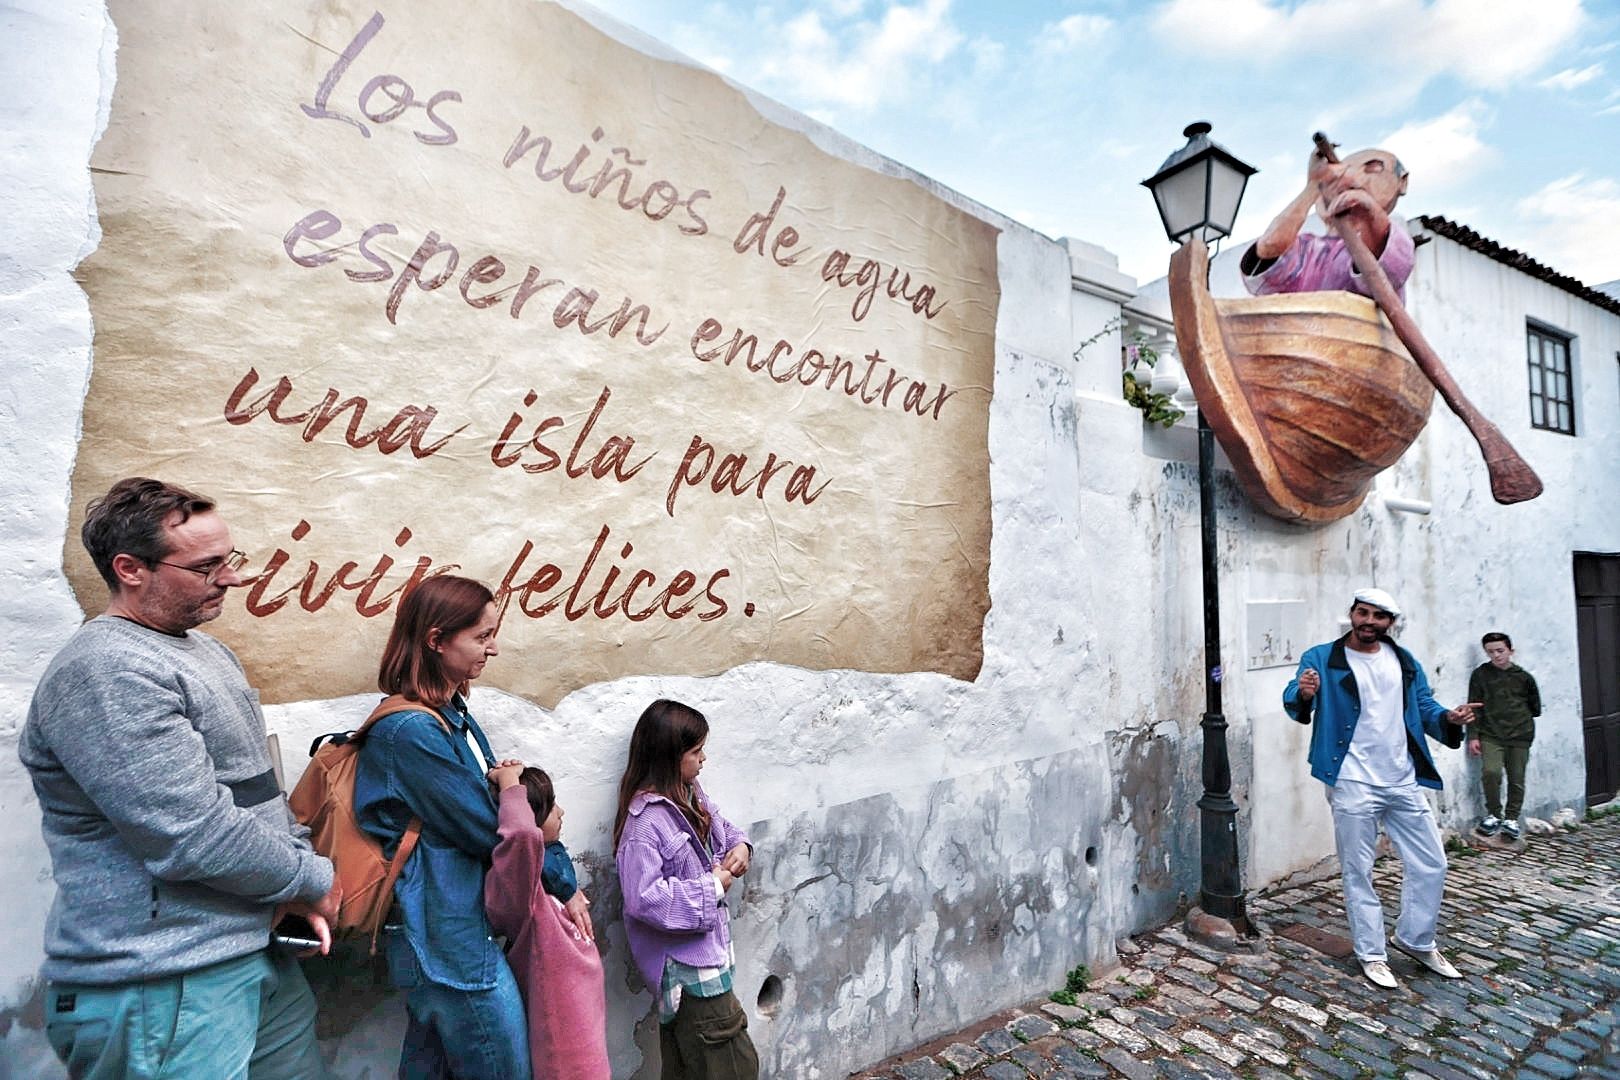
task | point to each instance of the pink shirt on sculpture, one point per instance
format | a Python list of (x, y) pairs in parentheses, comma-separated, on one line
[(1315, 263)]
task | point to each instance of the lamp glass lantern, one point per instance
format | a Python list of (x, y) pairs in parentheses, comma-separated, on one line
[(1198, 187)]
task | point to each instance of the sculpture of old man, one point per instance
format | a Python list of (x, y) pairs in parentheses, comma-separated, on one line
[(1359, 191)]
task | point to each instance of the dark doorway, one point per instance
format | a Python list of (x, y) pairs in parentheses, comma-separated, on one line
[(1597, 619)]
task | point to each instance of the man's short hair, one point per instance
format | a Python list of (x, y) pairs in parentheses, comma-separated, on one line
[(1496, 635), (130, 520)]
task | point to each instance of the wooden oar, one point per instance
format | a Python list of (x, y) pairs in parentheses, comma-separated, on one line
[(1512, 478)]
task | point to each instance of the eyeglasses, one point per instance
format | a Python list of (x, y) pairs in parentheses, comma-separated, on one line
[(230, 564)]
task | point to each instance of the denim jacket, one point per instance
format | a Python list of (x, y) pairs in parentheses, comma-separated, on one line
[(1336, 707), (410, 766)]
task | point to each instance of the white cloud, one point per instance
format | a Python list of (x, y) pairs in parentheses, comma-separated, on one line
[(1493, 43), (1574, 220), (1569, 78), (1385, 47), (989, 57), (860, 64), (1444, 151), (1073, 33), (1120, 149)]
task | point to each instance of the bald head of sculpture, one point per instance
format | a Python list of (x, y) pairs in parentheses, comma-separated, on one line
[(1378, 173), (1357, 193)]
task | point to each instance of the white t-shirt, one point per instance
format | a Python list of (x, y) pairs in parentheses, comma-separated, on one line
[(478, 754), (1378, 753)]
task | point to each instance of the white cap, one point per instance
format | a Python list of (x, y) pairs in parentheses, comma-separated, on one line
[(1379, 599)]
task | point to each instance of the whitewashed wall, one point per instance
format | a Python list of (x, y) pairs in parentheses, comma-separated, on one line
[(920, 840), (929, 851), (1469, 566)]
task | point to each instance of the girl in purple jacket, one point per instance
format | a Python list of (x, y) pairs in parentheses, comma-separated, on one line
[(677, 858)]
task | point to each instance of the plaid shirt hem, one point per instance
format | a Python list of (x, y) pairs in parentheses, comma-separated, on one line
[(701, 982)]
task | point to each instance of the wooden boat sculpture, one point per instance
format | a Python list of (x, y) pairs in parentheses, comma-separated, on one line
[(1310, 394)]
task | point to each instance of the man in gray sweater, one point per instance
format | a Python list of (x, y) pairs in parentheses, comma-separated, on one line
[(171, 844)]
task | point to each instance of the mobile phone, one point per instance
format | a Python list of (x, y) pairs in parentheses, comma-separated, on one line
[(295, 932)]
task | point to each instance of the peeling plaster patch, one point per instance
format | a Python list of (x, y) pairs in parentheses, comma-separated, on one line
[(647, 1043), (1177, 496), (894, 918), (30, 1014), (23, 1049), (1146, 770)]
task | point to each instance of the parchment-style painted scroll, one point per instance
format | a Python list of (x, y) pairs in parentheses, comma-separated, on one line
[(411, 287)]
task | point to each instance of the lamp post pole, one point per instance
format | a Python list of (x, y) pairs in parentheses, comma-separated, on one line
[(1197, 190), (1222, 883)]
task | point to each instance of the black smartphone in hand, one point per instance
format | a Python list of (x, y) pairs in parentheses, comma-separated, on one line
[(295, 932)]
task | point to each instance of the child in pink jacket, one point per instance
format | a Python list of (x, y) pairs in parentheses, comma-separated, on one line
[(552, 948)]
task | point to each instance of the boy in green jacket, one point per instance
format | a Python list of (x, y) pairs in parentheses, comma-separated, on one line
[(1507, 724)]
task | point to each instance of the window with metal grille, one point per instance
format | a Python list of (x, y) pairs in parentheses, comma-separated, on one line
[(1552, 390)]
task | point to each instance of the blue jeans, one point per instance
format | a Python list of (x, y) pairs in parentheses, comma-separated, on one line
[(252, 1017), (465, 1034)]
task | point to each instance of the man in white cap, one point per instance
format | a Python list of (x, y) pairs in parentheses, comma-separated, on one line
[(1372, 708)]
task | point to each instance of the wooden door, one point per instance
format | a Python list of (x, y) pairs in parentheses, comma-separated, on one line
[(1597, 613)]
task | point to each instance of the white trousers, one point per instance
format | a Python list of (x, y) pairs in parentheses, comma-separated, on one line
[(1358, 810)]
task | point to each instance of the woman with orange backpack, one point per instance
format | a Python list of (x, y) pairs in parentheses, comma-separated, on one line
[(465, 1016)]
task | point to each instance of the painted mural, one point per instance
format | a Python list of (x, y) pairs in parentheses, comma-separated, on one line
[(407, 290)]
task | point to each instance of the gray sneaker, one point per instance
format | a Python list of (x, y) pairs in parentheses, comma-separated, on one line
[(1510, 829), (1490, 826), (1434, 960)]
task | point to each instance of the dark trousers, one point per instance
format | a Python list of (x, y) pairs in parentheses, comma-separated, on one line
[(1496, 758), (708, 1040)]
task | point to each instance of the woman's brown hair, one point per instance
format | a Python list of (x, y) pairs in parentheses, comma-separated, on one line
[(409, 666), (666, 731)]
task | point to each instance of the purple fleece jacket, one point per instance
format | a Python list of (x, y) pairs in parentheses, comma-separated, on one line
[(670, 907)]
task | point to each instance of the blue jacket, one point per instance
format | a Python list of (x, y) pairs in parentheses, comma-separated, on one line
[(410, 766), (557, 875), (1336, 706)]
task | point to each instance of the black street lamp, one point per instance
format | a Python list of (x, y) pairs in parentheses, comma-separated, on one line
[(1198, 189)]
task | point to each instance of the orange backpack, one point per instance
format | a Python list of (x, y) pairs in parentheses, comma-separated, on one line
[(324, 800)]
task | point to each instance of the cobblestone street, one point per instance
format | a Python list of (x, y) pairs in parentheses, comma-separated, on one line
[(1537, 937)]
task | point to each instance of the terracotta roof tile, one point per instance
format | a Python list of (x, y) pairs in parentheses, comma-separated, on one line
[(1472, 240)]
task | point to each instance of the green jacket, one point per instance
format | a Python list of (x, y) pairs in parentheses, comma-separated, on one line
[(1511, 704)]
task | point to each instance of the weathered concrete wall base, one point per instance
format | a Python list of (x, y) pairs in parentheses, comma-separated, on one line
[(889, 919), (894, 918)]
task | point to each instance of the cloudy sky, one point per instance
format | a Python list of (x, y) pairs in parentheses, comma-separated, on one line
[(1507, 112)]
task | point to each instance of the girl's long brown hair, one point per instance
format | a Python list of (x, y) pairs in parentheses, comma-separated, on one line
[(666, 731), (446, 603), (541, 794)]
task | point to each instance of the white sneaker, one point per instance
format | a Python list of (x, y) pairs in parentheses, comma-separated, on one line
[(1434, 960), (1378, 973)]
